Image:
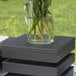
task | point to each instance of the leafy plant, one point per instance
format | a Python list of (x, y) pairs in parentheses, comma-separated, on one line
[(42, 19)]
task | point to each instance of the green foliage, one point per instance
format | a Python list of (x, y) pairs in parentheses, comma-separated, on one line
[(8, 25), (64, 13), (11, 25), (40, 7), (41, 12)]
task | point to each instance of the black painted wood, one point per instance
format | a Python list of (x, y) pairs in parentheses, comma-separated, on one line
[(3, 40), (56, 47), (68, 72), (18, 48), (39, 69), (38, 60)]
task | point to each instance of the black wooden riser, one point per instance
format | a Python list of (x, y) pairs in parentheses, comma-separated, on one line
[(24, 55), (16, 67), (43, 60), (18, 48), (68, 72), (3, 40)]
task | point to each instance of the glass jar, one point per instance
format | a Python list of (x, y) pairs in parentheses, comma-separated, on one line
[(39, 21)]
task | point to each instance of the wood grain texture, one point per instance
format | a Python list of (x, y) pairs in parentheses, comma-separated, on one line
[(18, 48), (39, 69)]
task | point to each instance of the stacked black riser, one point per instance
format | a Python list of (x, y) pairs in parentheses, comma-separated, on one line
[(68, 72), (38, 60), (3, 40)]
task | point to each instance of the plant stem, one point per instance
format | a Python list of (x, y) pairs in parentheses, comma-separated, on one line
[(35, 33), (47, 28), (40, 11), (41, 36)]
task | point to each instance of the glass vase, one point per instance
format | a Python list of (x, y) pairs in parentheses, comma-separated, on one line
[(39, 21)]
